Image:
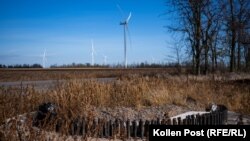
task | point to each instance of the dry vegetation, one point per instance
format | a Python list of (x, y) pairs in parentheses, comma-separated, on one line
[(76, 97)]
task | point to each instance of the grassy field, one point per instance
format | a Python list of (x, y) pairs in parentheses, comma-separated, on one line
[(133, 88)]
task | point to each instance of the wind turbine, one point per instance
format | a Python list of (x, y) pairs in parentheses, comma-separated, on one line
[(92, 53), (105, 59), (44, 58), (125, 25), (153, 60)]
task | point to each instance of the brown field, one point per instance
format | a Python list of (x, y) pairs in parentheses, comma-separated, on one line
[(71, 73), (136, 88)]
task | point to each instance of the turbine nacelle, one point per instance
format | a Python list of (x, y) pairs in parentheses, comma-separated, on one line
[(127, 20), (123, 23)]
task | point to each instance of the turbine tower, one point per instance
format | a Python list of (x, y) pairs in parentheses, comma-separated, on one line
[(92, 53), (125, 25), (44, 58)]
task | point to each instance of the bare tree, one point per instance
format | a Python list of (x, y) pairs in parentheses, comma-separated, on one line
[(232, 29), (245, 41), (213, 30), (190, 15), (177, 48), (243, 24), (211, 22), (237, 19)]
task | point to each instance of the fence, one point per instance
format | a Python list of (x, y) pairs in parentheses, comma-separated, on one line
[(104, 128)]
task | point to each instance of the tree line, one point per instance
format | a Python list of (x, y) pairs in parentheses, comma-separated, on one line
[(214, 31), (21, 66), (118, 65)]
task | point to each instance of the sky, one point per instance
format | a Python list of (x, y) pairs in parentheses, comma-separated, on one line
[(65, 28)]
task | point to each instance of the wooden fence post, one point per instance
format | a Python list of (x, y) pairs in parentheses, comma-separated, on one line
[(158, 122), (141, 128), (128, 128), (174, 121), (79, 125), (179, 121), (71, 130), (106, 128), (208, 119), (94, 127), (188, 120), (111, 128), (123, 128), (117, 127), (163, 121), (193, 120), (204, 120), (184, 121), (219, 118), (147, 123), (216, 118), (198, 119), (83, 126), (211, 118), (169, 122), (134, 129), (152, 122), (100, 125)]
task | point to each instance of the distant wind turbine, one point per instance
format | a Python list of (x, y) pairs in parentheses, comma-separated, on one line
[(92, 53), (153, 59), (105, 59), (44, 58), (125, 24)]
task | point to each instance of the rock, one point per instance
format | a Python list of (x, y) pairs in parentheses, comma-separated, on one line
[(46, 111), (216, 108)]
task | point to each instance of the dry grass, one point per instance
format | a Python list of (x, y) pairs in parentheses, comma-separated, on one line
[(76, 97)]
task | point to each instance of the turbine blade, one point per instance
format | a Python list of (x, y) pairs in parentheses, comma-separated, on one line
[(129, 16), (44, 53), (92, 44), (120, 10)]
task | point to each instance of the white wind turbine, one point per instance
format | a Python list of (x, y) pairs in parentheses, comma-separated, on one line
[(104, 59), (92, 53), (44, 59), (153, 59), (125, 24)]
